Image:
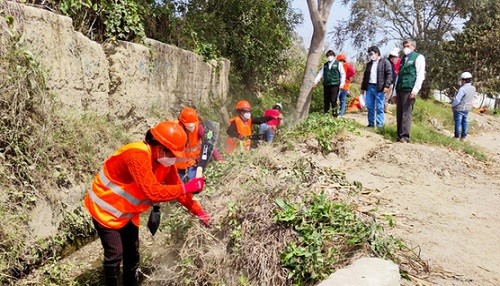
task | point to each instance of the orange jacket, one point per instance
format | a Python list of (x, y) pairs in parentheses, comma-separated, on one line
[(244, 132), (349, 73), (192, 150), (129, 182)]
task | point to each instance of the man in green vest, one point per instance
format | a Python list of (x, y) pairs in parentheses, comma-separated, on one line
[(408, 84), (333, 75)]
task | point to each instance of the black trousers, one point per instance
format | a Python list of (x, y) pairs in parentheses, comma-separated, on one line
[(330, 98), (120, 244), (404, 108)]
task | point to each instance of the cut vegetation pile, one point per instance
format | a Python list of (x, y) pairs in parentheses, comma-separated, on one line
[(277, 219)]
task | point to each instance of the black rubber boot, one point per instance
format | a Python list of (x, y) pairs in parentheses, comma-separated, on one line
[(111, 273), (130, 277)]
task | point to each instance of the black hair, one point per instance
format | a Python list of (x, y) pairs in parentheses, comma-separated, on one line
[(374, 49), (330, 53), (150, 139)]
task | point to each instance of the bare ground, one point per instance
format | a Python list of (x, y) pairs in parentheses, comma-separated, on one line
[(445, 202)]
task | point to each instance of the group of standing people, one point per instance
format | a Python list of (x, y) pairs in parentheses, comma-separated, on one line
[(394, 78)]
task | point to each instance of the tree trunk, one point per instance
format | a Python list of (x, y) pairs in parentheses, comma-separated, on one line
[(319, 10)]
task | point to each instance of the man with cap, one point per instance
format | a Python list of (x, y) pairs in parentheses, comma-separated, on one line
[(462, 104), (395, 61)]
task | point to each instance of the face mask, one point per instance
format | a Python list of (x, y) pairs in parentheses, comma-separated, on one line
[(373, 57), (167, 161), (247, 115), (406, 50), (331, 58), (190, 126)]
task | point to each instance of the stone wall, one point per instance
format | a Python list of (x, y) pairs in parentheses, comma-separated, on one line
[(130, 82)]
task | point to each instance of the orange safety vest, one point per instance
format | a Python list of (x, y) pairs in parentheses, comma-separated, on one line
[(192, 150), (244, 130), (113, 204)]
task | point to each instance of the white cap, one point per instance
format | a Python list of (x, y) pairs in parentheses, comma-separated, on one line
[(466, 75), (394, 52)]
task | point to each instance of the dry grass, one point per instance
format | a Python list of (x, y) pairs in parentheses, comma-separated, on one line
[(244, 244)]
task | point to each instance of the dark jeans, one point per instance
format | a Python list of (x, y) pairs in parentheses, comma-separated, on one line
[(121, 244), (404, 108), (330, 97), (461, 123)]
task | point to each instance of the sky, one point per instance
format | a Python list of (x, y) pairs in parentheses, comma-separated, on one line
[(338, 12)]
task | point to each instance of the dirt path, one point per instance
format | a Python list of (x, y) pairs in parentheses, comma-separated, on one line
[(444, 201)]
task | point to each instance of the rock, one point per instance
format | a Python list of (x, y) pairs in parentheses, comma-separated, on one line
[(365, 272)]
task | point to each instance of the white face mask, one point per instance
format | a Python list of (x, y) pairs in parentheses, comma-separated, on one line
[(407, 50), (373, 57), (167, 161), (331, 58), (190, 126), (247, 115)]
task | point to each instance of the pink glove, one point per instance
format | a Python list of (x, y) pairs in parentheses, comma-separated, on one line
[(194, 186), (204, 218)]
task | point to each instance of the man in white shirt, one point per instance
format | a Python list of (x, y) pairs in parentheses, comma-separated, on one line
[(408, 84), (334, 78), (377, 79)]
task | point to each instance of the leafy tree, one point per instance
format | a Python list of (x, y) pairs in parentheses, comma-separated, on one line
[(319, 11), (254, 35), (475, 49)]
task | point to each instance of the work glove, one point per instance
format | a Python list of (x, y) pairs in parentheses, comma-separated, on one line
[(154, 219), (204, 218), (194, 186)]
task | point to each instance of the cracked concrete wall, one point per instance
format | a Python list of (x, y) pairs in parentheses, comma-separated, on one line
[(127, 82), (133, 83)]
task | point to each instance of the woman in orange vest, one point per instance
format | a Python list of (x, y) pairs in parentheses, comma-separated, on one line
[(240, 127), (186, 166), (130, 181)]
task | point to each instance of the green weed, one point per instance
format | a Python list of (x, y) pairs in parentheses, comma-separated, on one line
[(427, 118), (323, 128), (327, 234)]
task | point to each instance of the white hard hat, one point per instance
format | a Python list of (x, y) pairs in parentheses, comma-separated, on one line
[(278, 105), (466, 75), (394, 52)]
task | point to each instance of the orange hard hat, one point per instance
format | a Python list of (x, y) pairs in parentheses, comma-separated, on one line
[(340, 57), (243, 105), (171, 135), (188, 115)]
